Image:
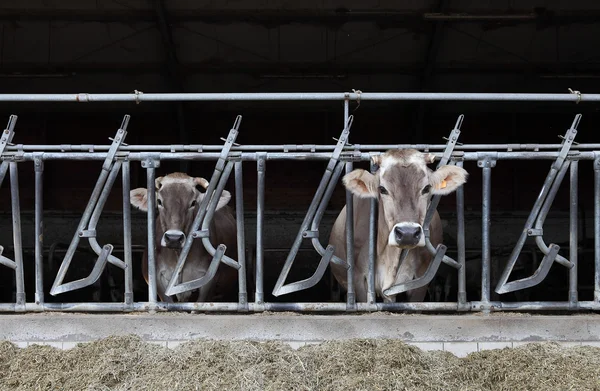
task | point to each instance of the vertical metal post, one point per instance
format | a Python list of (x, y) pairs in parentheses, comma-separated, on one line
[(151, 194), (597, 229), (261, 165), (39, 230), (486, 165), (371, 297), (350, 293), (127, 234), (17, 242), (573, 236), (241, 236), (460, 243)]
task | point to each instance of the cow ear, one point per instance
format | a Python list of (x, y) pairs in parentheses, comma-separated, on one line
[(447, 179), (201, 182), (139, 198), (361, 183), (224, 200)]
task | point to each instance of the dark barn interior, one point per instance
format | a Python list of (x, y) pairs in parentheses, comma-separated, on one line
[(119, 46)]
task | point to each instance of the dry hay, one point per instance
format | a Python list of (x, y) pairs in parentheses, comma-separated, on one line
[(128, 363)]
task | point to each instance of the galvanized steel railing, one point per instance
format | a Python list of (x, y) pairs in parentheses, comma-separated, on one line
[(118, 156)]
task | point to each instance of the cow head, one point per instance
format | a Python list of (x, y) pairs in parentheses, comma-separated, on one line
[(404, 185), (177, 198)]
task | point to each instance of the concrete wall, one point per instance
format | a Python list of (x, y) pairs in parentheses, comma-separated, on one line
[(458, 334)]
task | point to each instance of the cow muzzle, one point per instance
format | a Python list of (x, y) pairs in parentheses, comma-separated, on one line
[(173, 239), (407, 235)]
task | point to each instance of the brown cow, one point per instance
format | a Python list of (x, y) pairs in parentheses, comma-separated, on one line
[(178, 197), (403, 187)]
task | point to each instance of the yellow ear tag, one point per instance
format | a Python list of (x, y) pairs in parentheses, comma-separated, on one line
[(443, 184)]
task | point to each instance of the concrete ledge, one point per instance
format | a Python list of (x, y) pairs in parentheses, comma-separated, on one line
[(169, 329)]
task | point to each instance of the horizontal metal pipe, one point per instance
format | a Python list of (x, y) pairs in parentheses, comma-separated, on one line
[(288, 148), (536, 305), (297, 96), (301, 307), (308, 156)]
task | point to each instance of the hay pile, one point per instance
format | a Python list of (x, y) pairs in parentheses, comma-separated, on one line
[(128, 363)]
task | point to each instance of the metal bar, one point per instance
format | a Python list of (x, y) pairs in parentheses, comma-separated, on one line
[(241, 236), (301, 96), (350, 293), (333, 181), (261, 166), (203, 207), (201, 148), (308, 156), (114, 173), (211, 209), (424, 279), (327, 254), (218, 253), (39, 231), (541, 205), (313, 215), (7, 136), (90, 233), (3, 170), (151, 194), (539, 223), (485, 230), (17, 241), (573, 233), (127, 252), (597, 230), (109, 159), (94, 274), (302, 307), (460, 243), (373, 217)]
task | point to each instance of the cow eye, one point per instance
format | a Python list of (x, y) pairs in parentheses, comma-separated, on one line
[(383, 190), (193, 204), (426, 189), (159, 202)]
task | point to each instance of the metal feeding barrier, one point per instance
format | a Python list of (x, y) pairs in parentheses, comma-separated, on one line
[(117, 157)]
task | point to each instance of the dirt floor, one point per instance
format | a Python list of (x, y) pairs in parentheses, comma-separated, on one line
[(129, 363)]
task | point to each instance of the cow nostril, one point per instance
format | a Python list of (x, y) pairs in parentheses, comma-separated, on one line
[(398, 232), (417, 234)]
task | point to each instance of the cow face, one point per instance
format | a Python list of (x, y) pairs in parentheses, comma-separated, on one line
[(177, 198), (404, 185)]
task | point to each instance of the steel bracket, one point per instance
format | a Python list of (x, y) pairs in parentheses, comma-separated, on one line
[(87, 225), (534, 224), (310, 226), (200, 226)]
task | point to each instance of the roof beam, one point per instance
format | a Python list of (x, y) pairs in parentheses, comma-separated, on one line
[(276, 17)]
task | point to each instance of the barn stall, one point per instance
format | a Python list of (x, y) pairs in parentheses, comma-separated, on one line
[(275, 102)]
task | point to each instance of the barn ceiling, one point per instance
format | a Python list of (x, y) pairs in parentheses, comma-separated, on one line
[(247, 46)]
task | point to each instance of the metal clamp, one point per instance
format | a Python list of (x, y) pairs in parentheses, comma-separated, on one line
[(535, 221), (87, 225), (199, 228), (310, 226)]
